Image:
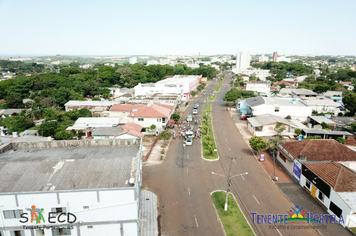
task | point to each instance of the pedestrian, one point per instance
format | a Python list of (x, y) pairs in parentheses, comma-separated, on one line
[(183, 144)]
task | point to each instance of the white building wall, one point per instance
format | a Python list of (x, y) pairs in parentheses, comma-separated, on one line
[(243, 60), (296, 112), (258, 87), (88, 206), (148, 121)]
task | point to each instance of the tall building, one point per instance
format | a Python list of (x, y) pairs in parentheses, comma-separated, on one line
[(243, 60), (263, 58), (133, 60), (275, 55)]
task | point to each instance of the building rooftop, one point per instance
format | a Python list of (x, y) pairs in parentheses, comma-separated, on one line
[(270, 119), (322, 102), (303, 92), (87, 122), (107, 131), (323, 131), (320, 150), (338, 176), (126, 107), (132, 129), (67, 168), (177, 79), (155, 110), (321, 119), (91, 103)]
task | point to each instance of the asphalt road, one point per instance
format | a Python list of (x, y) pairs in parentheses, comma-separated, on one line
[(183, 183)]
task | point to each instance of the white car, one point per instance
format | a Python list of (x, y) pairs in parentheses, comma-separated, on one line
[(195, 112), (189, 142)]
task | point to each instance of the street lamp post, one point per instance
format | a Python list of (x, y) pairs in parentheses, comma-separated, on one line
[(229, 177)]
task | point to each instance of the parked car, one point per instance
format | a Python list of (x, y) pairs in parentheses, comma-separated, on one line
[(244, 117), (196, 105), (195, 112)]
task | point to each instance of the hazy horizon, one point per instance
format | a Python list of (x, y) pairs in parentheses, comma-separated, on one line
[(114, 27)]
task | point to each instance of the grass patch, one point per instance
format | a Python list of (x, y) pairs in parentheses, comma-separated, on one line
[(233, 220), (211, 98), (207, 130), (353, 230), (218, 86)]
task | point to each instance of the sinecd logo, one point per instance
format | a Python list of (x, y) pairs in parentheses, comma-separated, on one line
[(38, 215)]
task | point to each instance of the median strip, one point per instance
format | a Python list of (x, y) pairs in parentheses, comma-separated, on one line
[(233, 220), (208, 141)]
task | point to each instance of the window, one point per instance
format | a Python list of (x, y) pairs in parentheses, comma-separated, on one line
[(12, 214), (163, 120), (57, 232), (159, 120), (140, 119), (276, 109), (307, 184), (85, 207), (321, 196), (59, 210), (335, 209), (17, 233)]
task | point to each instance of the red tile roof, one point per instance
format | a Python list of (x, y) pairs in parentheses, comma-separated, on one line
[(284, 82), (320, 150), (338, 176), (155, 110), (133, 129), (349, 83), (126, 107)]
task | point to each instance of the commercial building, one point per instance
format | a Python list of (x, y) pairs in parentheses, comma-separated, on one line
[(84, 187), (263, 58), (261, 87), (243, 60), (181, 85)]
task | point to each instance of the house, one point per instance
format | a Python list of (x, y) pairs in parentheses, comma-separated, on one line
[(348, 85), (82, 187), (282, 107), (264, 125), (333, 186), (123, 110), (181, 85), (287, 84), (155, 114), (130, 131), (261, 87), (303, 94), (316, 151)]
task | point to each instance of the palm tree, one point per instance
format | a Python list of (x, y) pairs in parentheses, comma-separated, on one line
[(273, 146)]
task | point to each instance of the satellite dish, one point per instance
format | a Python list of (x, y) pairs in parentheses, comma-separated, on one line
[(318, 127)]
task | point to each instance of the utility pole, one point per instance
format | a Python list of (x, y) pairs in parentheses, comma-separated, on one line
[(229, 177)]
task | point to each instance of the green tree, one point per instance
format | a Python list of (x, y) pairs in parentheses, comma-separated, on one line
[(324, 125), (349, 101), (257, 143), (96, 99), (298, 132), (17, 123), (279, 129), (48, 128), (193, 93), (210, 148), (288, 117), (176, 117), (80, 134), (63, 135)]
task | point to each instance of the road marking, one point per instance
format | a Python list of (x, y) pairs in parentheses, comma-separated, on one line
[(279, 232), (196, 222), (242, 177), (255, 199), (234, 161), (187, 156), (189, 190), (230, 151), (187, 170)]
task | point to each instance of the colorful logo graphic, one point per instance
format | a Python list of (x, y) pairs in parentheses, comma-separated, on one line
[(39, 216), (296, 215)]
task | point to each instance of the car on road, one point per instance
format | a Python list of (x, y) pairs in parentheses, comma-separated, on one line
[(195, 111), (196, 105), (244, 117), (189, 142)]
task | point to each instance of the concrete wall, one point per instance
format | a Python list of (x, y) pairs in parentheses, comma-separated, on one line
[(75, 143)]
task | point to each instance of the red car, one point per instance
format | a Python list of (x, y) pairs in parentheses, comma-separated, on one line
[(244, 117)]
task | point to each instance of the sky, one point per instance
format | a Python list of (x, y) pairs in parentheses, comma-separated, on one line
[(141, 27)]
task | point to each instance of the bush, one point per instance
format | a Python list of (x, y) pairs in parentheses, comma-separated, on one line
[(340, 140), (288, 117), (340, 114), (312, 137), (298, 132), (176, 117), (257, 143)]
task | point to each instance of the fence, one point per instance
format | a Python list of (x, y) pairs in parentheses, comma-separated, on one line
[(152, 146)]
